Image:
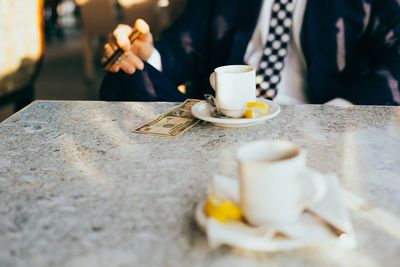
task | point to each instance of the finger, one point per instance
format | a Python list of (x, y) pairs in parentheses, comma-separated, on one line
[(142, 44), (123, 29), (113, 68), (141, 26), (112, 41), (116, 65), (139, 46), (142, 50), (147, 38), (134, 60), (121, 35), (108, 50), (127, 67), (123, 64)]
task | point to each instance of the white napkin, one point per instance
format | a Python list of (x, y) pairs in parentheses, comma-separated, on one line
[(309, 230)]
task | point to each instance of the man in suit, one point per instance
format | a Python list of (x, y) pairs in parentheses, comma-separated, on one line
[(338, 50)]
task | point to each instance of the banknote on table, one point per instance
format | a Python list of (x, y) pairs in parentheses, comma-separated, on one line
[(173, 122)]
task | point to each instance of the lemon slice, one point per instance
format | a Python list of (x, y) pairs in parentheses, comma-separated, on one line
[(258, 104), (256, 109), (222, 210)]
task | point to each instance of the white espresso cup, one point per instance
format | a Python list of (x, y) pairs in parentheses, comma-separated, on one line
[(234, 86), (275, 183)]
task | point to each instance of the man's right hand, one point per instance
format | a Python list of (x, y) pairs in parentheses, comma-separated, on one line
[(135, 54)]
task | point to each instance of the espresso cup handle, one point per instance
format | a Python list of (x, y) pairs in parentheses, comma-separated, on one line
[(318, 184), (212, 80)]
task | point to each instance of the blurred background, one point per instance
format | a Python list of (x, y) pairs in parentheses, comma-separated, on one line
[(52, 48)]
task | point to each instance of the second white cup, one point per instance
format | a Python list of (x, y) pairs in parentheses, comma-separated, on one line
[(275, 183), (235, 86)]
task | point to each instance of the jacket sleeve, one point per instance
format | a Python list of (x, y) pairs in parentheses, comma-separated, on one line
[(381, 85), (183, 45)]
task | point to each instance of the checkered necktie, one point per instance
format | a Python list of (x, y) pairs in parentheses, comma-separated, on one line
[(272, 61)]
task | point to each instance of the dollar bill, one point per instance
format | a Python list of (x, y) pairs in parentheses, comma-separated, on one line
[(173, 122)]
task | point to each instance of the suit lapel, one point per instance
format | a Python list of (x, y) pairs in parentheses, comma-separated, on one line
[(317, 39), (248, 14)]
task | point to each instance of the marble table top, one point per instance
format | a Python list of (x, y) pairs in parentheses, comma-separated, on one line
[(78, 188)]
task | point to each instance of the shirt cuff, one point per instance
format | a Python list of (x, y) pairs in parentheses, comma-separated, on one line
[(155, 60), (339, 102)]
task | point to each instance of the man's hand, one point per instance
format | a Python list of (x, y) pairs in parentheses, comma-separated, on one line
[(135, 53)]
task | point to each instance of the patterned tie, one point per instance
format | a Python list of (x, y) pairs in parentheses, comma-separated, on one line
[(272, 61)]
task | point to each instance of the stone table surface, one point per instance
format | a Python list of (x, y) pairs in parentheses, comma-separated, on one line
[(78, 188)]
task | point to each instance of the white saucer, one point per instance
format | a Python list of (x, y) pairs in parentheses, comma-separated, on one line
[(249, 237), (308, 231), (202, 111)]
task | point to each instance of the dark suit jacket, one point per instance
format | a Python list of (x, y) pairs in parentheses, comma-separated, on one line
[(351, 48)]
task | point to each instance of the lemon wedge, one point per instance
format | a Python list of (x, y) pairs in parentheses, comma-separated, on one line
[(222, 210), (249, 113), (256, 109)]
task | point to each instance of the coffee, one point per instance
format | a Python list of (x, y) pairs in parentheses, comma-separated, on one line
[(288, 155)]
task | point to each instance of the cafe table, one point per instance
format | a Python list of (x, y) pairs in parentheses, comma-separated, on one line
[(78, 188)]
